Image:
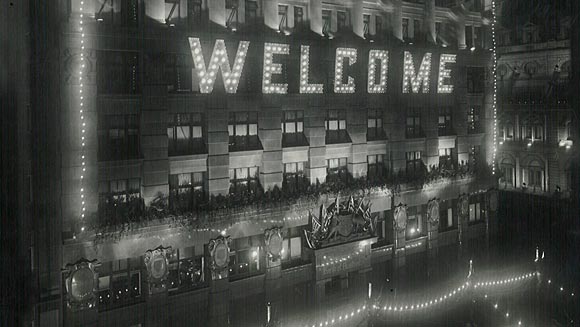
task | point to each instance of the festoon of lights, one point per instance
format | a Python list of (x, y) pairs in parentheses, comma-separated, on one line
[(341, 54), (305, 87), (219, 61), (271, 68), (412, 82), (494, 73), (418, 305), (383, 57), (82, 118)]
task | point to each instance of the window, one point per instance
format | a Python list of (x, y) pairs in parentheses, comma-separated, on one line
[(476, 209), (118, 137), (247, 257), (508, 171), (405, 28), (251, 11), (294, 177), (378, 24), (336, 127), (185, 134), (178, 73), (293, 129), (282, 16), (526, 131), (469, 36), (445, 121), (194, 12), (292, 247), (120, 282), (118, 12), (326, 19), (120, 197), (186, 191), (473, 122), (506, 131), (414, 162), (118, 72), (375, 166), (366, 23), (336, 169), (447, 219), (535, 172), (415, 223), (231, 4), (416, 29), (475, 80), (243, 131), (186, 270), (478, 37), (413, 124), (172, 11), (341, 20), (375, 125), (244, 180), (446, 158), (298, 15)]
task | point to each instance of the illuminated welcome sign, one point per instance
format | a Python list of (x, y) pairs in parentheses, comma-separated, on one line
[(415, 79)]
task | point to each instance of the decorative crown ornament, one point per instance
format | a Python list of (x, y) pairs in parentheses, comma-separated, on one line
[(400, 217), (82, 284), (433, 211), (273, 240), (157, 268), (219, 255), (346, 219)]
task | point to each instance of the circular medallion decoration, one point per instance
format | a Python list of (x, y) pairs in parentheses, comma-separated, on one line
[(464, 205), (433, 211), (400, 217), (273, 240), (221, 255), (82, 284), (158, 266)]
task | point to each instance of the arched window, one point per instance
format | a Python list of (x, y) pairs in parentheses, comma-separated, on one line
[(507, 168)]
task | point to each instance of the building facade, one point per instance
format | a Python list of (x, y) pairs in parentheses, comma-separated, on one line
[(538, 126), (192, 135)]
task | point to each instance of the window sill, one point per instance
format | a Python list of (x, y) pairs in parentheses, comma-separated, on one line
[(188, 156), (120, 162), (245, 152)]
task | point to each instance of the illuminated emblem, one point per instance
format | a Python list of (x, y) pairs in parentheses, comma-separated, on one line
[(273, 240), (81, 285), (157, 268), (445, 73), (340, 221), (219, 252), (433, 212), (400, 218)]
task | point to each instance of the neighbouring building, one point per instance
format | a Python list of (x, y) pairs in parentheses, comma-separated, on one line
[(537, 125), (186, 141)]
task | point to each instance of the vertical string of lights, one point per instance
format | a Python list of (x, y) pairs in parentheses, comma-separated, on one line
[(82, 116), (494, 71)]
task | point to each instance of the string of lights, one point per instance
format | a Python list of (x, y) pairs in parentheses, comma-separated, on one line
[(411, 306), (494, 74), (82, 118)]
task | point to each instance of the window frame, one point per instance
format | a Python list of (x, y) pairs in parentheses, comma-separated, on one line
[(249, 140), (191, 121)]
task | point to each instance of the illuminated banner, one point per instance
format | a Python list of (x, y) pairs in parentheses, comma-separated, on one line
[(415, 78)]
